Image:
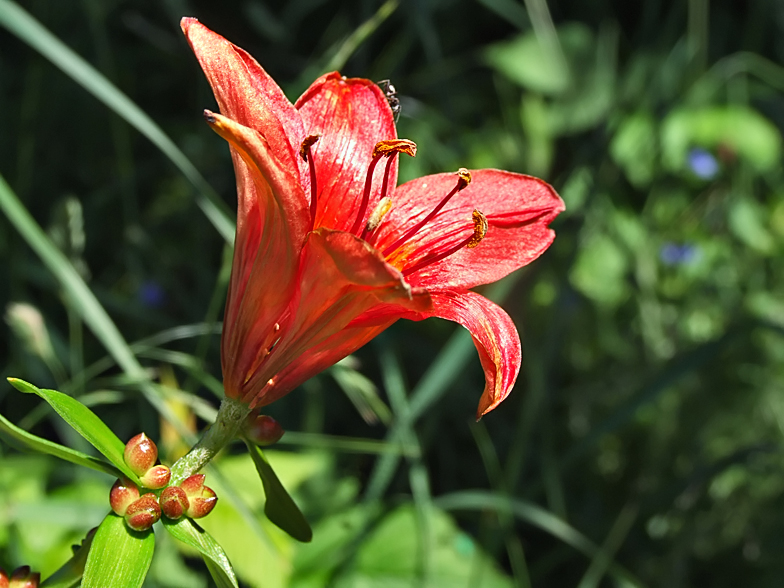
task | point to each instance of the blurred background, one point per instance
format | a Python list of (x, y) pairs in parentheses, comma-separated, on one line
[(642, 445)]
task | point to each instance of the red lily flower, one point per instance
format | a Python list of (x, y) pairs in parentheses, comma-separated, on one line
[(329, 253)]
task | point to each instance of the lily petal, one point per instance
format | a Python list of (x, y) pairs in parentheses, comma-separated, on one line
[(247, 94), (351, 115), (518, 209), (318, 358), (271, 225), (495, 337), (340, 277)]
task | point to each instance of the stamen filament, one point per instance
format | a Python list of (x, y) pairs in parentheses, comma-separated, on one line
[(366, 193), (304, 152), (480, 230), (382, 149), (464, 178)]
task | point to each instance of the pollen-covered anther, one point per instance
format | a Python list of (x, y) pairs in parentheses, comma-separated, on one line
[(392, 146), (304, 150), (480, 229), (464, 178), (384, 206)]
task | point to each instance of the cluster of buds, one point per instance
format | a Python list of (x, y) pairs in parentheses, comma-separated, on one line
[(21, 577), (141, 511), (263, 430)]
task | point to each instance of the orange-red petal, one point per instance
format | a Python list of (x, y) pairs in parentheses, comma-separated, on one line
[(518, 209), (495, 337), (351, 115), (340, 277), (247, 94)]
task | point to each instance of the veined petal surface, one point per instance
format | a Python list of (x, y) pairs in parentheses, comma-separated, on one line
[(518, 209), (351, 115)]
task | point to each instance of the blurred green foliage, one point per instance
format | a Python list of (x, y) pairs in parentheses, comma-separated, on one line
[(642, 444)]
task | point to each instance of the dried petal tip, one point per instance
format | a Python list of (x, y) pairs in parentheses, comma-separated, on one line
[(141, 453), (264, 430), (122, 495), (395, 146), (480, 229), (174, 502), (307, 144), (156, 477), (144, 513), (209, 116), (464, 178), (22, 577)]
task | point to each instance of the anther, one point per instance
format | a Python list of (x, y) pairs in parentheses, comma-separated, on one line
[(463, 179), (480, 230), (382, 149), (384, 206), (304, 153)]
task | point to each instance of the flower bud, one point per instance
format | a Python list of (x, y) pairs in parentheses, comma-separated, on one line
[(193, 485), (123, 493), (24, 578), (144, 513), (202, 505), (140, 454), (174, 502), (264, 430), (156, 477), (202, 498)]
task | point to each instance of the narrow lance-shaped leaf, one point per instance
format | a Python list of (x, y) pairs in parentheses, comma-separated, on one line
[(45, 446), (118, 557), (214, 557), (280, 508), (85, 422)]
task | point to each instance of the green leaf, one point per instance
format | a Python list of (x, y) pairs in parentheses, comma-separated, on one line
[(391, 556), (44, 446), (85, 422), (70, 574), (531, 63), (742, 130), (119, 557), (214, 557), (280, 508)]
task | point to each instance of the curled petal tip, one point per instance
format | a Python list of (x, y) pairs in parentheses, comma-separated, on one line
[(186, 22), (210, 117)]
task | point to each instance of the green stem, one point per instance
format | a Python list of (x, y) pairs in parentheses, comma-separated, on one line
[(231, 415)]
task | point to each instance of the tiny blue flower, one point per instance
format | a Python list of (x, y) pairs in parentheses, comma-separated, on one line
[(703, 164), (676, 254), (151, 294)]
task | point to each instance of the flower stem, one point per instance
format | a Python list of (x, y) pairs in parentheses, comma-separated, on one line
[(231, 415)]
